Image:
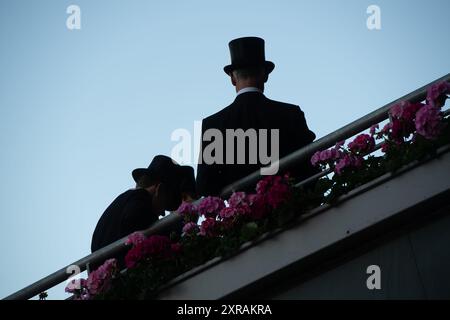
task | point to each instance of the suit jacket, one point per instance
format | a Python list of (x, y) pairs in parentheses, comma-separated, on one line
[(129, 212), (254, 110)]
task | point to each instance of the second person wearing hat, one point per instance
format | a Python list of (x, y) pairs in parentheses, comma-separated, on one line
[(160, 187)]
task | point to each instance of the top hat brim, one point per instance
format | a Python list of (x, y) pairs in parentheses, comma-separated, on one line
[(231, 67)]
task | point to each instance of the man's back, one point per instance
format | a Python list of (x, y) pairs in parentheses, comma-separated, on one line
[(131, 211), (252, 110)]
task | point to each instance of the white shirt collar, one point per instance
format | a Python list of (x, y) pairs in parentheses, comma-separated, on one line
[(248, 89)]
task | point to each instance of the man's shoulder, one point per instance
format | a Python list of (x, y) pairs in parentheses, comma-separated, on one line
[(284, 106), (218, 116), (132, 195)]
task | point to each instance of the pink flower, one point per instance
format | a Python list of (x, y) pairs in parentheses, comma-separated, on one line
[(152, 247), (258, 207), (135, 238), (274, 190), (315, 159), (279, 193), (437, 94), (429, 122), (373, 129), (387, 127), (336, 153), (237, 199), (239, 204), (211, 206), (396, 110), (402, 118), (75, 286), (99, 280), (362, 144), (190, 228), (228, 212), (209, 228), (323, 157), (348, 161), (188, 211)]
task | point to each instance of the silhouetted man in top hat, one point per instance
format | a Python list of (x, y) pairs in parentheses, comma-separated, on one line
[(280, 127), (159, 187)]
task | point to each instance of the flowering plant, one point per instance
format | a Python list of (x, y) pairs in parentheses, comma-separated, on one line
[(97, 282), (414, 131)]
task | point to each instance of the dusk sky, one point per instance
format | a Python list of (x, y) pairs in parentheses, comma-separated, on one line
[(81, 108)]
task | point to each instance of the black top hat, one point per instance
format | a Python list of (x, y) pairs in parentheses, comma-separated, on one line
[(248, 52), (164, 169)]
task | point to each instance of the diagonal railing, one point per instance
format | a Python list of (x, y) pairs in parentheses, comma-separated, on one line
[(166, 223)]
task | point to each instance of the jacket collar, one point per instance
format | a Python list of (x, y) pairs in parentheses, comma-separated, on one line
[(248, 89)]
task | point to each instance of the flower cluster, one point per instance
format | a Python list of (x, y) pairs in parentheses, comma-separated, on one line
[(274, 190), (98, 281), (324, 157), (210, 207), (271, 192), (402, 123), (417, 118), (437, 94), (429, 122), (190, 228), (406, 120), (343, 159), (135, 238), (153, 247), (362, 145), (209, 227), (348, 161), (188, 211)]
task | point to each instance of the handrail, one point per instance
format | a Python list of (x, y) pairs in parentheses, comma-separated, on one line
[(164, 224), (329, 140)]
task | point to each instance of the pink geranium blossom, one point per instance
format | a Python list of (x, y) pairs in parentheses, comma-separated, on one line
[(362, 144), (99, 280), (402, 120), (315, 159), (437, 94), (188, 211), (326, 156), (135, 238), (258, 207), (211, 206), (237, 199), (274, 190), (373, 129), (429, 122), (239, 203), (152, 247), (228, 212), (209, 227), (348, 161), (190, 228)]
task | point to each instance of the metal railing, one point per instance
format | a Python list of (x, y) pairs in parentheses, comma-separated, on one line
[(166, 223)]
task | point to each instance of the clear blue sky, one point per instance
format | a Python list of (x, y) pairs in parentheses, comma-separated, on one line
[(80, 109)]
